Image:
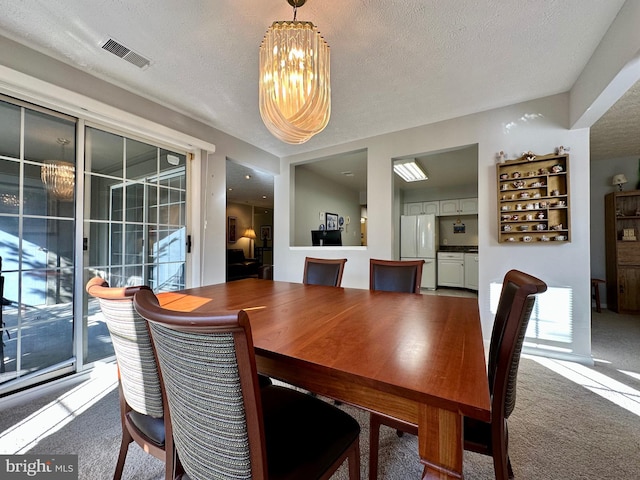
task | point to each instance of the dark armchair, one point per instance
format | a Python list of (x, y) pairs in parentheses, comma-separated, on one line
[(240, 267)]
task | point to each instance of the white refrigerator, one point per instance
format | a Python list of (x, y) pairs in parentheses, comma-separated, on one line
[(419, 240)]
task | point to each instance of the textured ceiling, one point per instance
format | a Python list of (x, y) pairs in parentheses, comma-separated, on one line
[(395, 64), (617, 133)]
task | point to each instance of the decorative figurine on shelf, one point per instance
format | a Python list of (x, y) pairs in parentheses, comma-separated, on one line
[(501, 156), (529, 156), (561, 150)]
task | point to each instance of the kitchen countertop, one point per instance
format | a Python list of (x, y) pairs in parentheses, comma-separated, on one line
[(458, 248)]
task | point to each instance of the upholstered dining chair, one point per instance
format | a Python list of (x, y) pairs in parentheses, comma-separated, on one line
[(142, 409), (395, 276), (224, 425), (510, 325), (323, 271)]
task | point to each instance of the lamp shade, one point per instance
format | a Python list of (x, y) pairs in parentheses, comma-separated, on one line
[(249, 233), (619, 179), (295, 91)]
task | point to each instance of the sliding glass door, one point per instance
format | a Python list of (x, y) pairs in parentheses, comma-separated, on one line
[(130, 197)]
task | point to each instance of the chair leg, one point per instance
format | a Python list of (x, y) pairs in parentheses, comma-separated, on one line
[(374, 445), (500, 447), (354, 462), (124, 448)]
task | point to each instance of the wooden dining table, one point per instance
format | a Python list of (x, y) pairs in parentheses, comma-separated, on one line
[(419, 358)]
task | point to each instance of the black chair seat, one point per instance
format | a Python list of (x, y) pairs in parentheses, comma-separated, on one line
[(150, 427), (304, 435)]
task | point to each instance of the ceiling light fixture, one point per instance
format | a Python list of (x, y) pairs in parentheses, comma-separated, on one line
[(295, 90), (410, 170), (58, 176)]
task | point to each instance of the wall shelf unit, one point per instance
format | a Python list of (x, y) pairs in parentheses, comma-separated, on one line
[(533, 200)]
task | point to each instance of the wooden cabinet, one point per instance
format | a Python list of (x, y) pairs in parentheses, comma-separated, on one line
[(533, 200), (622, 227), (459, 206), (422, 208)]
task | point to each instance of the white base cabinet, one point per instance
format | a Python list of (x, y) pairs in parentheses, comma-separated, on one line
[(451, 269), (471, 271)]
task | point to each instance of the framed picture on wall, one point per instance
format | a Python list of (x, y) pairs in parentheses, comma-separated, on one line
[(231, 229), (331, 221), (265, 232)]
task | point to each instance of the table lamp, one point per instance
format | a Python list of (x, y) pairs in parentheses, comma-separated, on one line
[(619, 180)]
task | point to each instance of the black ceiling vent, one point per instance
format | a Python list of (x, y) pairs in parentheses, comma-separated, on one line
[(126, 53)]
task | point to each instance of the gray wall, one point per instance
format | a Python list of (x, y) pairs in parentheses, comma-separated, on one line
[(602, 172), (315, 194)]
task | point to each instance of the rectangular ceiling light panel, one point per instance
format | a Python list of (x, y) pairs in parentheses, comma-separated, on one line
[(409, 171)]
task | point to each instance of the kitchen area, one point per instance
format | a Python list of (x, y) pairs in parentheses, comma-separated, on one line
[(439, 220)]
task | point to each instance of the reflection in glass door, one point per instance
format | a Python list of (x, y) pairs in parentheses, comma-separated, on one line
[(37, 213), (135, 222)]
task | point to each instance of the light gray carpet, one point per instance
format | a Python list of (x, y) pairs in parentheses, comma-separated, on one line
[(559, 430)]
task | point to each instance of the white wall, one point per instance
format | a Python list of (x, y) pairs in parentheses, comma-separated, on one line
[(539, 126)]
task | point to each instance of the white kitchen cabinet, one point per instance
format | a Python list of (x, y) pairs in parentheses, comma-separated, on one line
[(468, 206), (422, 208), (449, 207), (451, 269), (471, 271), (459, 206)]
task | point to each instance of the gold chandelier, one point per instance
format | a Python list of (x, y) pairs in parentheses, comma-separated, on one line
[(59, 177), (295, 89)]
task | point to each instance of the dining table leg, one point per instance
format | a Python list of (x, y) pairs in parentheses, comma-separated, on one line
[(440, 443)]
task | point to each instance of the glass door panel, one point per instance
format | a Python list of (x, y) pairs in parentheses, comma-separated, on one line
[(36, 244), (135, 218)]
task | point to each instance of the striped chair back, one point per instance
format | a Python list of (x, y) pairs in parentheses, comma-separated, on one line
[(132, 346), (208, 369)]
